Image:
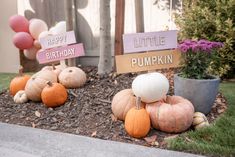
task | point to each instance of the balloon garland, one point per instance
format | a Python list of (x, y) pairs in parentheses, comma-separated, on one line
[(29, 32)]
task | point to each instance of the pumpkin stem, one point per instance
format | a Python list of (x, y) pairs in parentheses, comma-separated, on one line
[(21, 70), (70, 71), (53, 66), (49, 83), (138, 103)]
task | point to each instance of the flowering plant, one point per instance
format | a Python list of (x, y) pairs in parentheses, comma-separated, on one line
[(196, 57)]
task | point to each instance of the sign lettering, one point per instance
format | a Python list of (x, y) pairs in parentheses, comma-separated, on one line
[(147, 61)]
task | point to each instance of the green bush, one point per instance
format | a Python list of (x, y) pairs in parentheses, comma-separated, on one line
[(212, 20)]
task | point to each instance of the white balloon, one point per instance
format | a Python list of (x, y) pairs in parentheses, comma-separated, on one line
[(31, 53), (52, 30), (60, 27), (43, 34), (37, 26)]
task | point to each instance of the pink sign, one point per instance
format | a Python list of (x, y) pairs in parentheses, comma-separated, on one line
[(139, 42), (58, 40), (60, 53)]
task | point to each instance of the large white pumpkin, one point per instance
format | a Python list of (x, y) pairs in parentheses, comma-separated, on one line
[(150, 87)]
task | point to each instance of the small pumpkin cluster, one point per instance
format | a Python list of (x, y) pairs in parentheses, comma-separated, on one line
[(148, 103), (48, 85)]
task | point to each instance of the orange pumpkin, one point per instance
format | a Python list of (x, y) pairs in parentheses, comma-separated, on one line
[(137, 121), (174, 114), (18, 83), (122, 102), (54, 94)]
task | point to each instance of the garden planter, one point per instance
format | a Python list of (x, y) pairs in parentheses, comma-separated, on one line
[(201, 93)]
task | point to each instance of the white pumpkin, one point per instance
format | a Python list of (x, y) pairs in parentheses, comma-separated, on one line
[(72, 77), (200, 120), (150, 87), (56, 69), (20, 97)]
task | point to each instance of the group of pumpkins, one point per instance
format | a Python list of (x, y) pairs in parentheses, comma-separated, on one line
[(30, 32), (48, 85), (148, 103)]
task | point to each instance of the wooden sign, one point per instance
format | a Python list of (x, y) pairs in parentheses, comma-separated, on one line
[(58, 40), (139, 42), (60, 53), (147, 61)]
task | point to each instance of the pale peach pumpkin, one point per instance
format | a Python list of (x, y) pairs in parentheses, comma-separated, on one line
[(37, 82), (174, 114)]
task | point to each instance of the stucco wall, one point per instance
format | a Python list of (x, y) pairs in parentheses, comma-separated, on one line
[(9, 55)]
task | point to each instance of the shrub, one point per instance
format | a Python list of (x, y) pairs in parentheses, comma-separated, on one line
[(212, 20)]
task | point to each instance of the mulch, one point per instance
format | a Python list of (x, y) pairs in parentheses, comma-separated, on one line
[(88, 110)]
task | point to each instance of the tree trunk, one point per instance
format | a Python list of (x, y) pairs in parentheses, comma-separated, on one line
[(105, 60)]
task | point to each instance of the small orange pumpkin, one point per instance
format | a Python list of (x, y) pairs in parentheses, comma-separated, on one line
[(18, 83), (174, 114), (54, 94), (137, 121)]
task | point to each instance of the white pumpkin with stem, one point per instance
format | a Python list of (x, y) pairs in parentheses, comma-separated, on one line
[(72, 77), (200, 120), (150, 87), (20, 97)]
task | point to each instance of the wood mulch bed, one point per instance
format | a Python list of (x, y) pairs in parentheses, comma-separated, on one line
[(88, 110)]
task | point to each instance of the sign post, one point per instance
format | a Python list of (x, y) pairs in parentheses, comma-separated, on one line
[(161, 52), (55, 48)]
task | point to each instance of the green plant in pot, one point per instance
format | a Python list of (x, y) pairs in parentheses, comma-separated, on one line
[(193, 82)]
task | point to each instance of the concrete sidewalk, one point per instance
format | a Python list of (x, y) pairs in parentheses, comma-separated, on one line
[(19, 141)]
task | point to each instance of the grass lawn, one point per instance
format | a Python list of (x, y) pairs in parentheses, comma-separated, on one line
[(216, 140)]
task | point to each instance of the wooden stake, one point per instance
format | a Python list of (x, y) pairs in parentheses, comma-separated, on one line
[(69, 16), (119, 26), (139, 15)]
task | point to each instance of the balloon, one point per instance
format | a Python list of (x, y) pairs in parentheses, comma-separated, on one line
[(31, 53), (44, 34), (23, 40), (52, 30), (37, 26), (60, 27), (19, 23), (37, 44)]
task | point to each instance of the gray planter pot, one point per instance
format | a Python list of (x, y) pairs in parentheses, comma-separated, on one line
[(201, 93)]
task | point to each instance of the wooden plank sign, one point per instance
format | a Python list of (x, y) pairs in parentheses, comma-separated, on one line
[(139, 42), (60, 53), (58, 40), (147, 61)]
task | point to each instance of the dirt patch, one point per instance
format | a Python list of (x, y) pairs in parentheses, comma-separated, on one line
[(88, 110)]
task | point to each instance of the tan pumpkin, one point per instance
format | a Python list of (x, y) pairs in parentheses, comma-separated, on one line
[(200, 120), (54, 94), (174, 114), (122, 102), (37, 82), (137, 121), (20, 97), (56, 69), (18, 83), (72, 77)]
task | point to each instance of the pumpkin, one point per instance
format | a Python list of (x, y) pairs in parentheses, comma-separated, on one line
[(37, 82), (150, 87), (72, 77), (20, 97), (173, 115), (56, 69), (200, 120), (54, 94), (18, 83), (122, 102), (137, 121)]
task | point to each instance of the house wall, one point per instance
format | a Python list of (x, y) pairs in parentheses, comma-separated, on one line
[(9, 60)]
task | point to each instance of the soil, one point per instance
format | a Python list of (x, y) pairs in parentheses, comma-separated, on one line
[(88, 110)]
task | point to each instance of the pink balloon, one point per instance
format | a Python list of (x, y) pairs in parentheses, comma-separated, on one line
[(31, 53), (23, 40), (19, 23)]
